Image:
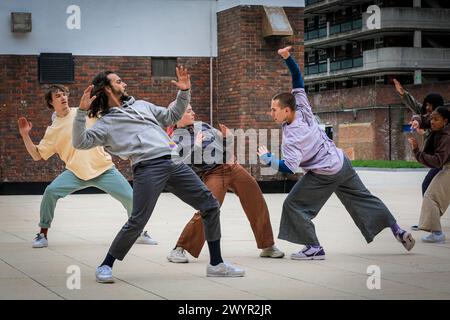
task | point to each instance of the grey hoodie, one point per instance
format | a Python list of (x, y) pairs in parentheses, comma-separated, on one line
[(133, 131)]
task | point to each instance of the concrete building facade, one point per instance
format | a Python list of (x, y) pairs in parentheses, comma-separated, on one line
[(353, 51)]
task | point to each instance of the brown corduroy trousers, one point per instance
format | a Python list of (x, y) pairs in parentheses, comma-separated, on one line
[(221, 179)]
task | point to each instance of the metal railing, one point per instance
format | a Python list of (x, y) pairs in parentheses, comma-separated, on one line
[(346, 64), (316, 34), (316, 68), (336, 65), (346, 26), (334, 29)]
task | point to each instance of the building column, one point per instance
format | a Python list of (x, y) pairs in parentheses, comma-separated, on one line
[(417, 39), (417, 44)]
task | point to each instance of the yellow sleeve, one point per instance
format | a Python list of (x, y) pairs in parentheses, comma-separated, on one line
[(46, 146)]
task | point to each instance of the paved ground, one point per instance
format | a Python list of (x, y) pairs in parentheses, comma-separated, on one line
[(86, 224)]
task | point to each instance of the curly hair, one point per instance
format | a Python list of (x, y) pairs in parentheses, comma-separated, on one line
[(99, 106)]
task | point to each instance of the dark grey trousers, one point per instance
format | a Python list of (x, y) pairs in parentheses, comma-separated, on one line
[(150, 179), (312, 191)]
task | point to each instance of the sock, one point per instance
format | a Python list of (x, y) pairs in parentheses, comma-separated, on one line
[(438, 233), (215, 255), (396, 229), (44, 231), (109, 261)]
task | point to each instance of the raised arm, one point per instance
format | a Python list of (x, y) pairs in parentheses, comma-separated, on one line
[(169, 116), (297, 80), (24, 128), (408, 100), (83, 138)]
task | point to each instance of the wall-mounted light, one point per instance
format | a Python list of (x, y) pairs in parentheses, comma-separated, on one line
[(275, 22), (20, 21)]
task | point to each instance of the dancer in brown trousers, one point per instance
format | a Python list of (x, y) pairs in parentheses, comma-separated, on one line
[(219, 174)]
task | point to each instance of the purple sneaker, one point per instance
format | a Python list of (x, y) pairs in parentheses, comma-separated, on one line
[(309, 253)]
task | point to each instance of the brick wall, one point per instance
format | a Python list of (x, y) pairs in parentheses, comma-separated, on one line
[(388, 140), (371, 96), (249, 71), (21, 94)]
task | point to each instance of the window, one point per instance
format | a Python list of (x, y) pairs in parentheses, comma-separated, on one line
[(164, 67), (56, 68)]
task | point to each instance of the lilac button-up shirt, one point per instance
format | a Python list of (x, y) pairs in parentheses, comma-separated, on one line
[(307, 146)]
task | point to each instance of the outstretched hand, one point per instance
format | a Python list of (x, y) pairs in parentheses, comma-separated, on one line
[(24, 126), (399, 87), (199, 139), (416, 127), (284, 53), (86, 99), (183, 79), (225, 131), (262, 150)]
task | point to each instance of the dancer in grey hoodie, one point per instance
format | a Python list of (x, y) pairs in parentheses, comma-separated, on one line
[(133, 129)]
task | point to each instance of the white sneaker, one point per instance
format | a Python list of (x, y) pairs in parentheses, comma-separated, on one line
[(144, 238), (434, 238), (40, 241), (224, 269), (177, 256), (103, 274), (271, 252), (309, 253)]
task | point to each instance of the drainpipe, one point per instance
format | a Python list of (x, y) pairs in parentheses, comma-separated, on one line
[(211, 91), (212, 11), (390, 132)]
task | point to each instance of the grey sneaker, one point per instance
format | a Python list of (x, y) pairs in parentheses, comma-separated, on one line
[(103, 274), (177, 256), (224, 269), (40, 241), (434, 238), (406, 239), (271, 252), (144, 238)]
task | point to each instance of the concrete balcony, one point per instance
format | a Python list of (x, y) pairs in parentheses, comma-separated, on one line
[(407, 58), (321, 6), (391, 20), (379, 61)]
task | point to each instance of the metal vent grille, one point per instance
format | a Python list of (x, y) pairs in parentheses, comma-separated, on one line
[(56, 68), (164, 67)]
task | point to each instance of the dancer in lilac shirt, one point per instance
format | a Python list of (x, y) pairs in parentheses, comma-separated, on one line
[(327, 170)]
